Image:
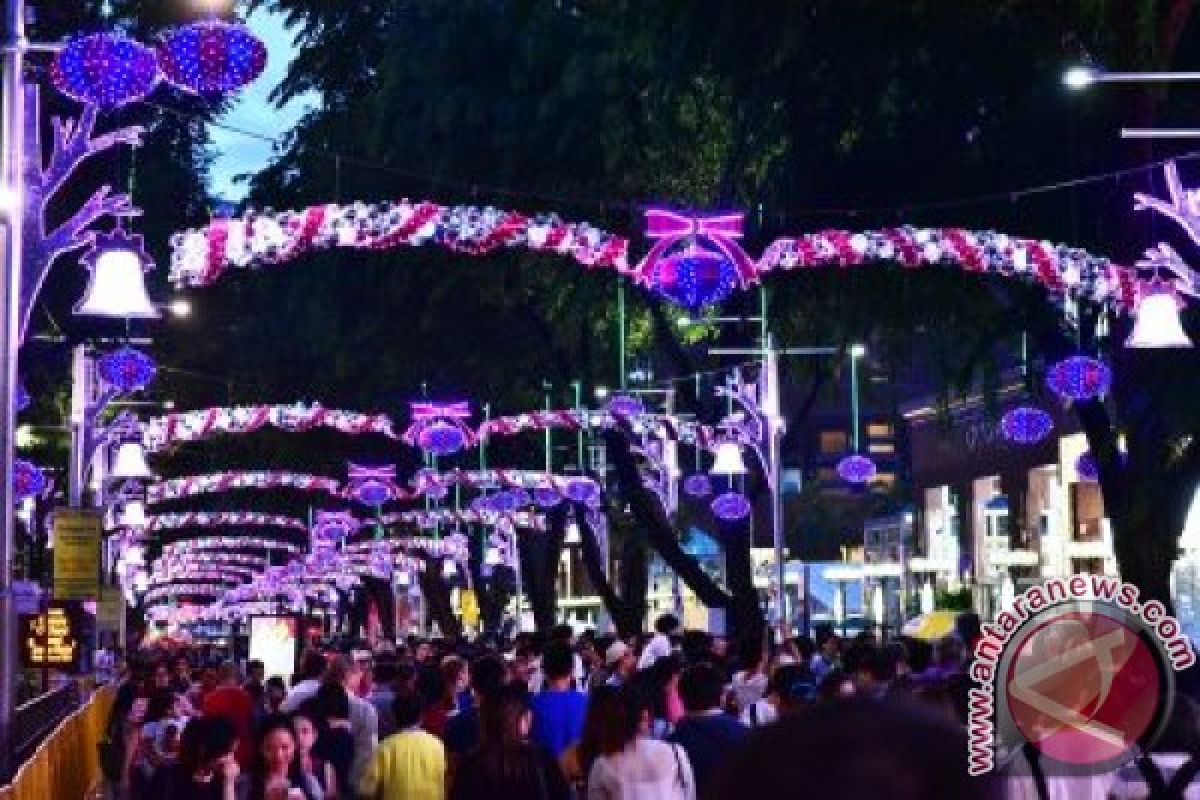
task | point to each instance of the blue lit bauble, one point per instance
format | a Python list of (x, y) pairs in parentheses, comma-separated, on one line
[(126, 369), (1086, 467), (546, 498), (1079, 378), (437, 491), (856, 468), (441, 438), (623, 405), (504, 502), (28, 479), (698, 485), (211, 57), (22, 399), (1026, 425), (695, 278), (481, 503), (731, 506), (104, 69), (372, 493), (583, 491)]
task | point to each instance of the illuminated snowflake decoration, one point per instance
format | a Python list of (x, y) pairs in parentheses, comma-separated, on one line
[(731, 506), (127, 369), (1026, 425), (1079, 378), (856, 469)]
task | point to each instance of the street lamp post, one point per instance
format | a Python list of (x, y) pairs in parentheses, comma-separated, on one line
[(10, 292)]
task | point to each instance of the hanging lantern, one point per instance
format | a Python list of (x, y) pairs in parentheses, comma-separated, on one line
[(698, 485), (441, 438), (731, 506), (28, 479), (728, 461), (1086, 467), (856, 469), (695, 278), (118, 262), (1026, 425), (211, 56), (127, 369), (1156, 321), (130, 462), (106, 70), (623, 405), (1079, 378)]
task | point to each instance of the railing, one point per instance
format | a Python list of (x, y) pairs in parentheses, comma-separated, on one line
[(33, 721), (65, 765)]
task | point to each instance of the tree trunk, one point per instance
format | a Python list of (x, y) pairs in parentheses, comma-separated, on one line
[(746, 618), (627, 609), (437, 598), (540, 554)]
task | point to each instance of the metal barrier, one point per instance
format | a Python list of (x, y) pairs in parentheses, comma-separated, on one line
[(33, 721), (65, 765)]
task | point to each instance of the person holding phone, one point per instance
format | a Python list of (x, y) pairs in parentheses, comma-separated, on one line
[(277, 773)]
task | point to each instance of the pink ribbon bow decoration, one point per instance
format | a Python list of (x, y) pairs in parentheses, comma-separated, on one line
[(439, 428), (720, 231)]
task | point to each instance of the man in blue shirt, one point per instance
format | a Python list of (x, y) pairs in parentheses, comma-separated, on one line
[(706, 733), (558, 710)]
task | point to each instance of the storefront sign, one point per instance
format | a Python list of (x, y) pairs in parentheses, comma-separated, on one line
[(48, 639), (76, 554)]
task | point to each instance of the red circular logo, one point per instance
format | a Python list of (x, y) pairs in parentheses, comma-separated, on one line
[(1084, 686)]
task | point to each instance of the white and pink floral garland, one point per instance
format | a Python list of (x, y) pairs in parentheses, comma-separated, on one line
[(223, 519), (190, 426), (219, 482)]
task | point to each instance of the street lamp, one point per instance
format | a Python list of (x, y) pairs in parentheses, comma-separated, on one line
[(728, 461), (1081, 77), (180, 307)]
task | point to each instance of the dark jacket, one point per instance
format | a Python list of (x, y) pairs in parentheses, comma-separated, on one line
[(708, 740)]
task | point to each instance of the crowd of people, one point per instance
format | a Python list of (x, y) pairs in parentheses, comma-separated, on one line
[(553, 716)]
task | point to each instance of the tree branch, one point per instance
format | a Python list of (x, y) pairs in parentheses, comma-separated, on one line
[(74, 144), (72, 232)]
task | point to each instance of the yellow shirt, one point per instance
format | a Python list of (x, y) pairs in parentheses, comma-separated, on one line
[(410, 765)]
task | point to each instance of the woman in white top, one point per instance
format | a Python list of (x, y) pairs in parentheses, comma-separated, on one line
[(633, 766), (750, 683)]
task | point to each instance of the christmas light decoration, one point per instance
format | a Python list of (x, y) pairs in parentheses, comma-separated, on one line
[(696, 261), (698, 485), (126, 369), (220, 482), (1156, 321), (372, 486), (117, 262), (191, 426), (584, 491), (1079, 378), (546, 497), (731, 506), (104, 69), (1086, 467), (334, 526), (856, 469), (28, 479), (200, 257), (695, 279), (223, 519), (624, 405), (211, 56), (129, 463), (439, 428), (1026, 425)]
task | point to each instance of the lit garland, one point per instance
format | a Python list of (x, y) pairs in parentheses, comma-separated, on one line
[(731, 506), (1026, 425), (218, 482), (454, 545), (664, 426), (104, 69), (28, 479), (203, 544), (191, 426), (211, 56), (1079, 378), (126, 369), (223, 519), (856, 468), (548, 489), (201, 256), (434, 518)]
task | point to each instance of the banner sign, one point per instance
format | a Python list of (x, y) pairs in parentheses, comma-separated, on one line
[(76, 554), (48, 639)]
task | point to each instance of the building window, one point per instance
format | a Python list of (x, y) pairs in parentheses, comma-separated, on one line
[(879, 430), (883, 480), (826, 475), (833, 442), (882, 448)]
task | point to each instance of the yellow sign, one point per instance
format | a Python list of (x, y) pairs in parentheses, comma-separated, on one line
[(469, 607), (110, 608), (47, 639), (76, 554)]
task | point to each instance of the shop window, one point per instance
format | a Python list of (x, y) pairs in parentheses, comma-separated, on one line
[(833, 442), (882, 448), (879, 430)]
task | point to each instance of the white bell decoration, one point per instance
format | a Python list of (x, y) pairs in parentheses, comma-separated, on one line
[(403, 578), (571, 535), (130, 463), (133, 515), (449, 569), (117, 288), (1156, 322), (492, 557), (141, 581), (728, 461)]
